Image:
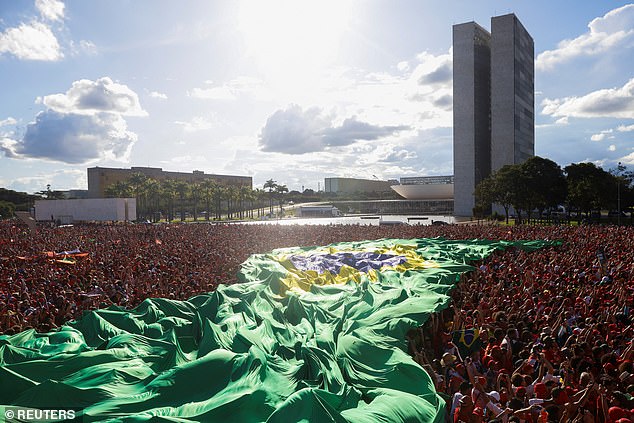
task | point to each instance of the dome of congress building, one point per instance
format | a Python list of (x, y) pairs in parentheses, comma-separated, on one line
[(425, 188)]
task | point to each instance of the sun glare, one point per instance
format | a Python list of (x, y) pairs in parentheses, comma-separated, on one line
[(293, 35)]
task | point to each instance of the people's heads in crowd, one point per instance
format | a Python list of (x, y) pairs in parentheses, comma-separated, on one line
[(551, 324)]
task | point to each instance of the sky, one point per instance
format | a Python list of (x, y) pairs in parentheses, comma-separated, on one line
[(290, 90)]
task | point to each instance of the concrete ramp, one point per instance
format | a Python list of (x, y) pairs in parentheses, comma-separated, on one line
[(26, 218)]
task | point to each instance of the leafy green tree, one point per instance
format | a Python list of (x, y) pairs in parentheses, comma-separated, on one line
[(503, 187), (7, 210), (508, 190), (627, 191), (119, 189), (589, 187), (21, 200), (485, 195), (544, 184)]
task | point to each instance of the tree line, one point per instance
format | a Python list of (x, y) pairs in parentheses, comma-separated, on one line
[(173, 199), (539, 188), (10, 201)]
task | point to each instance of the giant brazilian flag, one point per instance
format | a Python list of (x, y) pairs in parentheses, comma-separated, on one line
[(309, 334)]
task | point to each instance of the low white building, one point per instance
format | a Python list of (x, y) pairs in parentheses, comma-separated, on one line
[(86, 210)]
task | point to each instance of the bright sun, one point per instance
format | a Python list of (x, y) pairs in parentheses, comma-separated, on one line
[(293, 35)]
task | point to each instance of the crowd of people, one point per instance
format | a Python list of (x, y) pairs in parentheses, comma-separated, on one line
[(532, 337), (540, 337)]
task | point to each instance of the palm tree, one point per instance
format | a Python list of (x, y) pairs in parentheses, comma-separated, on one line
[(280, 190), (152, 190), (208, 188), (270, 185), (243, 195), (260, 196), (182, 188), (137, 184), (218, 194), (250, 196), (195, 194), (168, 187), (233, 197)]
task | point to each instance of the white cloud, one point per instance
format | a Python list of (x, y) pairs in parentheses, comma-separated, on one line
[(84, 46), (8, 121), (156, 94), (402, 66), (197, 123), (73, 138), (8, 146), (602, 135), (399, 155), (33, 41), (294, 130), (58, 179), (91, 97), (185, 162), (612, 147), (426, 152), (430, 89), (623, 128), (240, 85), (558, 123), (612, 102), (36, 39), (52, 10), (297, 131), (214, 93), (81, 126), (417, 95), (434, 70), (562, 121), (611, 31), (627, 160)]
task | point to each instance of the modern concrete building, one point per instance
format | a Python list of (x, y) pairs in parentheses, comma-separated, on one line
[(512, 92), (99, 178), (471, 112), (425, 188), (354, 185), (493, 102)]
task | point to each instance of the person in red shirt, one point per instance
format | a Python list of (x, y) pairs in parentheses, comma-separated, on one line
[(464, 410), (551, 350)]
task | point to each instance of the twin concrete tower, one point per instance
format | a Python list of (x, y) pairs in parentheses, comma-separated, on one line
[(493, 103)]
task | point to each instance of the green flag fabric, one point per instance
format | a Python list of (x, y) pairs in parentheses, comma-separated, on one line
[(313, 334)]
